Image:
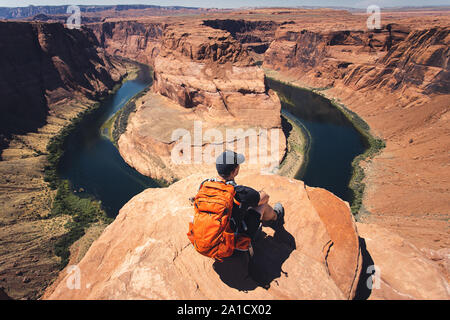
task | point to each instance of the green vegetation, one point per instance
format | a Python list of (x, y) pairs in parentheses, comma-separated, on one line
[(57, 144), (83, 211), (373, 145), (115, 126)]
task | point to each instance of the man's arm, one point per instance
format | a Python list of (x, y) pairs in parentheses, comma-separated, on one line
[(263, 197)]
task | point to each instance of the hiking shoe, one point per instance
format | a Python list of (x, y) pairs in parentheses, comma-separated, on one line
[(278, 223)]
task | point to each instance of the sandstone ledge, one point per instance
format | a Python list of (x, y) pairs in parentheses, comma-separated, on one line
[(145, 253)]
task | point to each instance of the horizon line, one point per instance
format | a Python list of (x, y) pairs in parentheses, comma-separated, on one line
[(231, 8)]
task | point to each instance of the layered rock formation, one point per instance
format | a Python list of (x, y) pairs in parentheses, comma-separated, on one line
[(216, 83), (253, 35), (398, 59), (400, 270), (135, 40), (44, 64), (48, 75), (207, 69), (316, 255), (395, 78), (97, 12)]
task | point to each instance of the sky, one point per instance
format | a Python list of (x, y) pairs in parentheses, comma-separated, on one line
[(232, 3)]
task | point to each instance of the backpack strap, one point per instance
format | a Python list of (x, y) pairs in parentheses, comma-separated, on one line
[(230, 182)]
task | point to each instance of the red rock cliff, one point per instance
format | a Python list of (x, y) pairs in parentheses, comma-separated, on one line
[(135, 40), (43, 64), (208, 77), (398, 80), (48, 75), (205, 68)]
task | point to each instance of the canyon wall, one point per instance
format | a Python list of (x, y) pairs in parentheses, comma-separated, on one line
[(394, 58), (397, 80), (43, 64), (48, 75), (207, 69), (135, 40)]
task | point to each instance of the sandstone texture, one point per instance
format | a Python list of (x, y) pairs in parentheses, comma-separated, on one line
[(166, 141), (206, 69), (317, 255), (44, 64), (209, 66), (153, 259), (396, 78), (131, 39)]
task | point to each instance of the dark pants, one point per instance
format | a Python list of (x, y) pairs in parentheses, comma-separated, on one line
[(248, 223)]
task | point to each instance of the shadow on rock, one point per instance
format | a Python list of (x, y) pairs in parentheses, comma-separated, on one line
[(244, 273), (363, 290)]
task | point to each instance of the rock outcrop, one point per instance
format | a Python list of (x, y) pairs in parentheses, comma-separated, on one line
[(164, 140), (253, 35), (203, 75), (397, 80), (206, 69), (401, 271), (321, 253), (316, 255)]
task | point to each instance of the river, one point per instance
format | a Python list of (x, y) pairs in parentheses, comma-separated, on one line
[(334, 140), (94, 166)]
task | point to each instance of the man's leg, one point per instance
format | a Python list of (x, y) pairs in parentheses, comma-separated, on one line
[(269, 216), (266, 212)]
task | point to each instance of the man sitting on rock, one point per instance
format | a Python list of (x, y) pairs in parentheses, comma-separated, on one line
[(253, 205), (228, 216)]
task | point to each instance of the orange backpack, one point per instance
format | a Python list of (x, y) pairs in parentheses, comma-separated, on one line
[(210, 231)]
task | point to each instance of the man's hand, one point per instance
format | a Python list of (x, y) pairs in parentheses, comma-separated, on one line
[(263, 197)]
